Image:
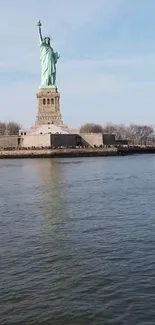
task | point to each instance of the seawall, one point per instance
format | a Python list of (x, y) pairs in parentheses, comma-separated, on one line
[(124, 151), (82, 152), (55, 153)]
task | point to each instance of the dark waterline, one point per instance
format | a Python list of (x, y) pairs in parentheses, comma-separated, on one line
[(77, 241)]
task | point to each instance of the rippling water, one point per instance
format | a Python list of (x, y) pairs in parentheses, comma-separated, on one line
[(77, 241)]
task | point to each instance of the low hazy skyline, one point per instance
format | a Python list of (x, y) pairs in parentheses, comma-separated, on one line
[(107, 67)]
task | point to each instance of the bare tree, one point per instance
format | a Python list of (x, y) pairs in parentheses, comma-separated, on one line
[(91, 128), (123, 132), (146, 132), (109, 128), (140, 134), (2, 128), (120, 130), (13, 128)]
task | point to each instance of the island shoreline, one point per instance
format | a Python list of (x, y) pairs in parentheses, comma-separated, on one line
[(71, 153)]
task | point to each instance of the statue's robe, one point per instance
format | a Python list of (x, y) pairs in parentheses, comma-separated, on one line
[(48, 65)]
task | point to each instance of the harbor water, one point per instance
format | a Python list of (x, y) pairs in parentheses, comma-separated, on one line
[(77, 241)]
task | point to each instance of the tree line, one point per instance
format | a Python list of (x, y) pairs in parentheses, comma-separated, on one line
[(134, 133), (10, 128)]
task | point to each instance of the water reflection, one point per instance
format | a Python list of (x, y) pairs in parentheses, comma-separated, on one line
[(54, 230), (51, 175)]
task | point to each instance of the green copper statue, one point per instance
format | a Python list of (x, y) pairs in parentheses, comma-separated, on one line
[(49, 60)]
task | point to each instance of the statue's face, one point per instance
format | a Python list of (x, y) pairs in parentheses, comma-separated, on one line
[(47, 40)]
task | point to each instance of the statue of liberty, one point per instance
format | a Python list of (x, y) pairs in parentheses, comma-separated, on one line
[(49, 60)]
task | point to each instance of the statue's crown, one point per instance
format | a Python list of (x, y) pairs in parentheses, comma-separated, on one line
[(47, 37)]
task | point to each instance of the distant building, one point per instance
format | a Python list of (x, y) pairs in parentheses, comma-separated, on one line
[(109, 139), (43, 129), (66, 140)]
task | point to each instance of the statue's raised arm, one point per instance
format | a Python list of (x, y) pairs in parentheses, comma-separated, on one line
[(40, 34)]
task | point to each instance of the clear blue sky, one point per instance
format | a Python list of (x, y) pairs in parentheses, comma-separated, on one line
[(107, 66)]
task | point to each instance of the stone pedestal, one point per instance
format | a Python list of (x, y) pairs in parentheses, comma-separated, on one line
[(48, 107)]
